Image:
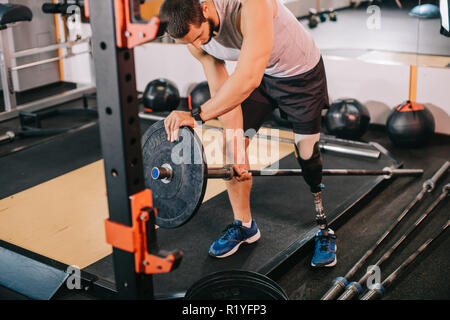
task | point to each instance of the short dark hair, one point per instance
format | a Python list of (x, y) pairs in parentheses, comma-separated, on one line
[(179, 14)]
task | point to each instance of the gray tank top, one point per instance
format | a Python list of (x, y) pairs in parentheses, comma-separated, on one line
[(294, 51)]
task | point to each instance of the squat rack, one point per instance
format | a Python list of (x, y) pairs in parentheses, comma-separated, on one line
[(117, 28)]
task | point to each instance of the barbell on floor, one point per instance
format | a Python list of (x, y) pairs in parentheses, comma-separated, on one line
[(178, 178), (165, 172)]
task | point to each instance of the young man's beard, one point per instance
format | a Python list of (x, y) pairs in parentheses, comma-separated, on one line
[(212, 29)]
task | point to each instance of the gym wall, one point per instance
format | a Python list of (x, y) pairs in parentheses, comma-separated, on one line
[(380, 86)]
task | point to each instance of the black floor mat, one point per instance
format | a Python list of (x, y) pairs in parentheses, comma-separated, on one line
[(284, 211)]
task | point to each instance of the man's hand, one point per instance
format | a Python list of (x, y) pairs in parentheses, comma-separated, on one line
[(175, 120), (241, 173)]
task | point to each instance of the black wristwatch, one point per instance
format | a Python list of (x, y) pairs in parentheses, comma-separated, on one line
[(195, 112)]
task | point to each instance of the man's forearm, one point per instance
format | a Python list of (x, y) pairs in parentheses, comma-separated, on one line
[(232, 93)]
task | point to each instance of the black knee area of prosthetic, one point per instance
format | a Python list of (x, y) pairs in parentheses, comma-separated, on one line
[(311, 168)]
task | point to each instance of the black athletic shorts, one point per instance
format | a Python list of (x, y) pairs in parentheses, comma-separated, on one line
[(300, 98)]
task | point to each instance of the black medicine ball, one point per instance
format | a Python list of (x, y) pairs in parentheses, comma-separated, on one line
[(410, 125), (199, 95), (347, 118), (161, 95)]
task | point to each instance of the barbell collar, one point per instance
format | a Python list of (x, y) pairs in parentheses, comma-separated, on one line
[(430, 184)]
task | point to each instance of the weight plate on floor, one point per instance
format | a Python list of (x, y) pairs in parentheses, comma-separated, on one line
[(235, 285), (179, 198)]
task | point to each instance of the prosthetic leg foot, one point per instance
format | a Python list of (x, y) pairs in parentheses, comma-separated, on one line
[(325, 239)]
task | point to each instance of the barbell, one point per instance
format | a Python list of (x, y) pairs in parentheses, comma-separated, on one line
[(165, 172), (177, 173)]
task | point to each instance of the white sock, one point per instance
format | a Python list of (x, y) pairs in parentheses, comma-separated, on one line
[(247, 224)]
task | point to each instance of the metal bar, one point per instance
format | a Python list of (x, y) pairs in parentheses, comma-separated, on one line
[(328, 146), (340, 283), (431, 183), (379, 290), (37, 63), (33, 51), (228, 172), (9, 95), (324, 144), (339, 172), (355, 287)]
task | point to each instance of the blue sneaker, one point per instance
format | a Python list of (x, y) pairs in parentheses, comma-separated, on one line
[(325, 252), (234, 235)]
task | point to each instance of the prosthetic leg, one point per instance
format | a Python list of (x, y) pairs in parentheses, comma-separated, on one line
[(325, 252)]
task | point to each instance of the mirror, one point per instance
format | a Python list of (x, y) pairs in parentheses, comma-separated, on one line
[(388, 31)]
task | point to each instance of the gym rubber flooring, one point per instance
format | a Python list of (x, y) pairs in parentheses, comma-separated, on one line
[(37, 93), (428, 276), (426, 279), (285, 218)]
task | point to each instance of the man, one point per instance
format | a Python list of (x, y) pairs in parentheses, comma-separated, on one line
[(278, 65)]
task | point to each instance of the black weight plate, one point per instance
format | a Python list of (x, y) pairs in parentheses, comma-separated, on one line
[(178, 200), (265, 279), (250, 276), (235, 285)]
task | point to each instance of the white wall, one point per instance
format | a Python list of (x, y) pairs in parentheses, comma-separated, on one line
[(380, 87), (434, 91), (171, 61)]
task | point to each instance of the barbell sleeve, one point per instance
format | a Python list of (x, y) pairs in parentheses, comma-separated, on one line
[(160, 173)]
